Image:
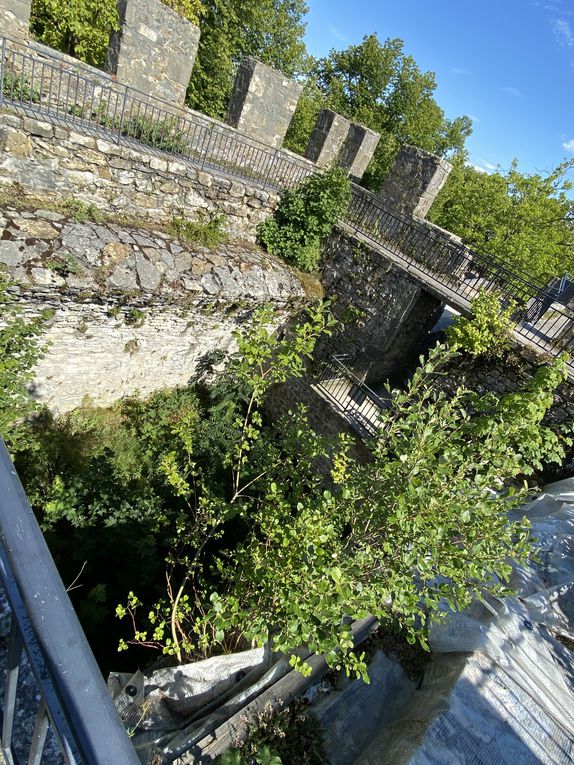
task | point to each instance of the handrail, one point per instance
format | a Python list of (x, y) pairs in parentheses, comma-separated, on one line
[(74, 701)]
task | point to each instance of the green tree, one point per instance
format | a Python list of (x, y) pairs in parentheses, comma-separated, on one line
[(488, 330), (417, 526), (424, 522), (80, 28), (270, 30), (526, 219), (381, 87)]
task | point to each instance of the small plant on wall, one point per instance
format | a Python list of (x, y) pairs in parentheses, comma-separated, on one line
[(305, 217), (487, 331)]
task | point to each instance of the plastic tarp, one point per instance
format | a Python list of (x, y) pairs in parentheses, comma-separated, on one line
[(500, 687)]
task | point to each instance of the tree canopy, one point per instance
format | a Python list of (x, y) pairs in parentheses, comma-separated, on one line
[(380, 86), (270, 30), (524, 218)]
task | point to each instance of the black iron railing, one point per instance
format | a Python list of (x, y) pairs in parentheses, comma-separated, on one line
[(55, 705), (349, 395), (77, 95), (428, 253), (45, 86)]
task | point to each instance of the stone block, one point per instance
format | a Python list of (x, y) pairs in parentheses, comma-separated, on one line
[(414, 181), (15, 18), (154, 50), (358, 149), (262, 102), (328, 138)]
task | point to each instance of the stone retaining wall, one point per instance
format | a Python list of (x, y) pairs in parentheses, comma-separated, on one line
[(129, 310), (117, 178)]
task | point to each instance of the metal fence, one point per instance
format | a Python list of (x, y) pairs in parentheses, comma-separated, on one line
[(80, 96), (539, 318), (55, 705), (77, 95), (349, 395)]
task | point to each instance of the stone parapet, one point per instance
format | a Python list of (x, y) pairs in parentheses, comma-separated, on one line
[(263, 102), (358, 150), (154, 50), (15, 18), (328, 138), (414, 181)]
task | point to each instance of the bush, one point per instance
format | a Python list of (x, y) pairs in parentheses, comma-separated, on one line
[(488, 330), (305, 217)]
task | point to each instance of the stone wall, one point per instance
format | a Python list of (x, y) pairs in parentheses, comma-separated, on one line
[(131, 310), (62, 163), (262, 102), (414, 181), (154, 50), (15, 17), (374, 301)]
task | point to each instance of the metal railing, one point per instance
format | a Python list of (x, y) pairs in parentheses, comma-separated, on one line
[(77, 95), (49, 669), (349, 395), (427, 252), (91, 100)]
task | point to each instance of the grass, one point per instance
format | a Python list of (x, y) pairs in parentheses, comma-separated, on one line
[(207, 232)]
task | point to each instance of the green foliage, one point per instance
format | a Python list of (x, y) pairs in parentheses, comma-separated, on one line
[(178, 624), (488, 330), (208, 231), (379, 86), (290, 736), (17, 86), (80, 211), (305, 217), (164, 134), (191, 10), (422, 524), (19, 352), (527, 220), (80, 28), (270, 30)]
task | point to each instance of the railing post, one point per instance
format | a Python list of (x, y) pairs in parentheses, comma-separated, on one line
[(122, 115)]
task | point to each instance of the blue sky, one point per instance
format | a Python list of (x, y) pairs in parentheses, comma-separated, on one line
[(508, 64)]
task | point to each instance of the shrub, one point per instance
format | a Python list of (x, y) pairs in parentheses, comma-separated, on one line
[(488, 330), (305, 217)]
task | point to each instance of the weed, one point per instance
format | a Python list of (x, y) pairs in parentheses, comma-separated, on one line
[(135, 317), (81, 212), (208, 231), (17, 88), (63, 264)]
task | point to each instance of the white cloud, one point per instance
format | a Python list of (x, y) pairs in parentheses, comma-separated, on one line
[(474, 118), (569, 145), (511, 91), (563, 32), (458, 70), (336, 33), (480, 169)]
